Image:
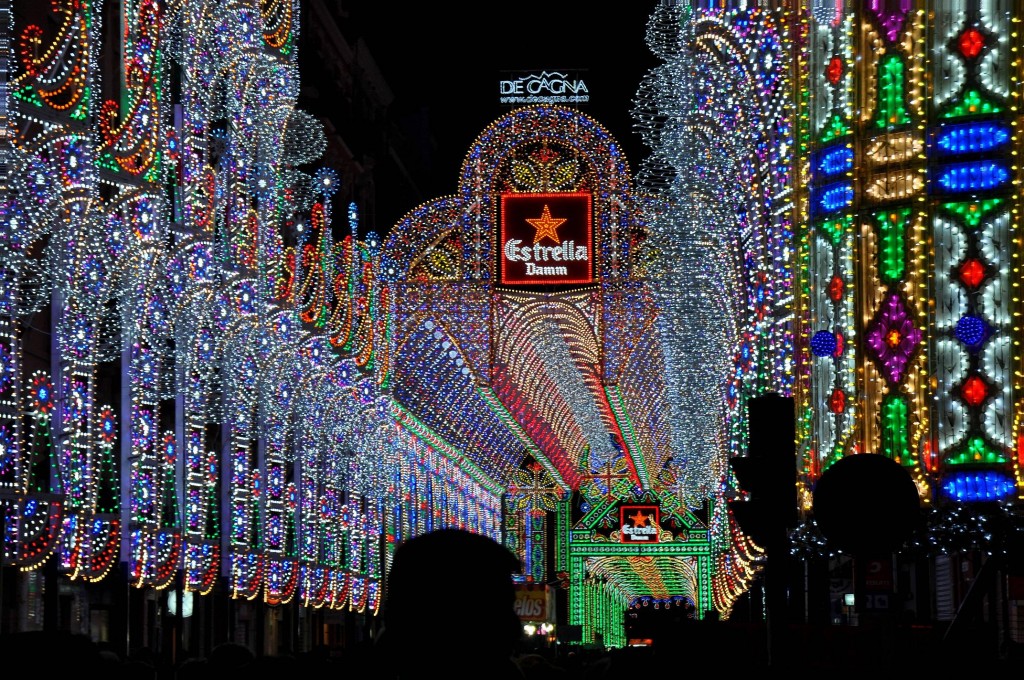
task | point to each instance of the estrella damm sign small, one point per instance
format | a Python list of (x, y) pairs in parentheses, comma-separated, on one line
[(639, 523)]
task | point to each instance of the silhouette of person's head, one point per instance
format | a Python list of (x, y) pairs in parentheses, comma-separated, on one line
[(450, 601), (229, 657)]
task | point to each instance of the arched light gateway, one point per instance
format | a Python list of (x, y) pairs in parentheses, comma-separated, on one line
[(524, 338)]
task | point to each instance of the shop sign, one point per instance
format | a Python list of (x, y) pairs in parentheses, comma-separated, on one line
[(878, 575), (544, 87), (534, 602)]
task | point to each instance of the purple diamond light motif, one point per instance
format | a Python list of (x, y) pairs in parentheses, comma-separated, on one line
[(891, 15), (892, 338)]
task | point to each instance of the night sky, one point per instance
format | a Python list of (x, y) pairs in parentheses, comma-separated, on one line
[(444, 64)]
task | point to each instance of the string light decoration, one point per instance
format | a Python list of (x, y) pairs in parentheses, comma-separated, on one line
[(31, 516), (645, 581), (927, 245), (185, 284), (572, 375), (718, 215), (445, 399), (558, 363), (135, 143), (532, 495), (57, 75), (296, 393), (978, 317), (77, 264), (558, 436)]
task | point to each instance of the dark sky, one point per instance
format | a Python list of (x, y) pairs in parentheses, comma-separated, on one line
[(444, 63)]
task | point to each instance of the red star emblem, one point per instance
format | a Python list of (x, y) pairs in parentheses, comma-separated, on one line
[(639, 519), (546, 225)]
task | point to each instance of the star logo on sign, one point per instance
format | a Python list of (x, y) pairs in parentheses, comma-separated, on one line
[(639, 519), (546, 225)]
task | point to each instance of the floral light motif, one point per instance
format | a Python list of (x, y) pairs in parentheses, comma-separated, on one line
[(40, 395), (107, 426), (892, 338)]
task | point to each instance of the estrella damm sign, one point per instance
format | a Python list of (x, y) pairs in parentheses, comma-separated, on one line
[(546, 239), (639, 523)]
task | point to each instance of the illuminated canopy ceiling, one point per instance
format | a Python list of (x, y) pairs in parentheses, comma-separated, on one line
[(560, 366)]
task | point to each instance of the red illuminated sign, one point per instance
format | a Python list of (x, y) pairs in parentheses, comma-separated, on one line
[(534, 602), (546, 239), (639, 523)]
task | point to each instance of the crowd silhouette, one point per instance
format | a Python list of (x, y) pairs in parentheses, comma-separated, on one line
[(449, 612), (449, 609)]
